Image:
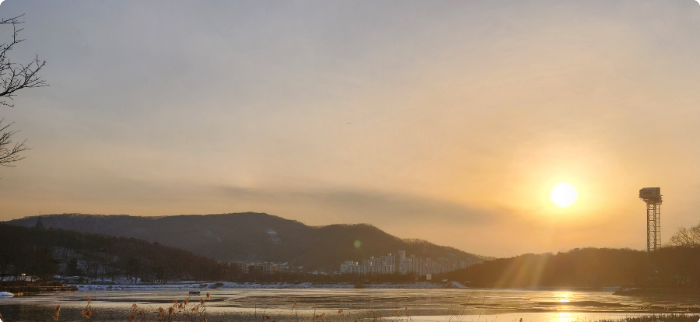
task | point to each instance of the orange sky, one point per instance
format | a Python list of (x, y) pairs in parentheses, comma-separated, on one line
[(445, 120)]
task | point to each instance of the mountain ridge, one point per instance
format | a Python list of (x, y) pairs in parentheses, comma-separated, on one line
[(251, 236)]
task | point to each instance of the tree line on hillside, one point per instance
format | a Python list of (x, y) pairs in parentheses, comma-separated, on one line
[(589, 267), (674, 265), (45, 252)]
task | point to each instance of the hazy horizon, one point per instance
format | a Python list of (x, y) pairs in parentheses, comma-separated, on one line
[(447, 121)]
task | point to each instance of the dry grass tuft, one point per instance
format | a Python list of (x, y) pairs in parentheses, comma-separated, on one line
[(658, 318), (87, 312), (56, 313)]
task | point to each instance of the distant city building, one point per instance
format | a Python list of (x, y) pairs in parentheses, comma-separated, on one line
[(401, 264), (265, 267)]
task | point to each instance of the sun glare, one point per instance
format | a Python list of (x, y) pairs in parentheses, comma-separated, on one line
[(563, 195)]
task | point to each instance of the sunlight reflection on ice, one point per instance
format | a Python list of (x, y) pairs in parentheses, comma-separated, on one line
[(529, 317), (564, 297)]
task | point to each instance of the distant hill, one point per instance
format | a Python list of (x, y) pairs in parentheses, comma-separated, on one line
[(252, 237), (44, 252), (587, 267)]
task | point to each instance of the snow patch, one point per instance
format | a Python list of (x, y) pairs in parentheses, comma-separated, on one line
[(273, 236)]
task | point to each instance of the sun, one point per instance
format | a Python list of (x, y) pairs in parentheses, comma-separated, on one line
[(563, 195)]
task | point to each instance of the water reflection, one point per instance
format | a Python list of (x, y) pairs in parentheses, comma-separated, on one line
[(429, 303), (564, 297)]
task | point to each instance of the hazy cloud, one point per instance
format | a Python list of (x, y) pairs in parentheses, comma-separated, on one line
[(442, 120), (384, 209)]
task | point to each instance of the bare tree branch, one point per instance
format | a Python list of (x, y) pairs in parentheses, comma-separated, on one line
[(15, 77), (9, 152)]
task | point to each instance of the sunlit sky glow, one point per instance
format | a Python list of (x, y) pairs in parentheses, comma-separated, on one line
[(449, 121), (563, 195)]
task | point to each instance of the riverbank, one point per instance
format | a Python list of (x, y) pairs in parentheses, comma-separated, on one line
[(232, 285), (657, 291), (37, 289)]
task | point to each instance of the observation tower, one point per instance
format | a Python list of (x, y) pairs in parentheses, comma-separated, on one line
[(653, 198)]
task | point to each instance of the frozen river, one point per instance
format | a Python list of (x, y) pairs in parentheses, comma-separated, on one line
[(356, 304)]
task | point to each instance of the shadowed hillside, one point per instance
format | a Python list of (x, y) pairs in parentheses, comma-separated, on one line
[(44, 252), (251, 237), (588, 267)]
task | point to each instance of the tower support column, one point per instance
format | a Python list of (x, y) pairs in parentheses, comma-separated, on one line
[(653, 199)]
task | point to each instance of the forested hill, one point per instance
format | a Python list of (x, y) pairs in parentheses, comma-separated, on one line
[(44, 252), (252, 237), (588, 267)]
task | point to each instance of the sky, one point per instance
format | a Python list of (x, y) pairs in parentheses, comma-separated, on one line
[(448, 121)]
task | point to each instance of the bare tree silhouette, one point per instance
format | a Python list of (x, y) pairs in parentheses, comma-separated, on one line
[(686, 237), (14, 77)]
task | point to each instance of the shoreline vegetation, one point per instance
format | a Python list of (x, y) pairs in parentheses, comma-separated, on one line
[(54, 286), (658, 291)]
